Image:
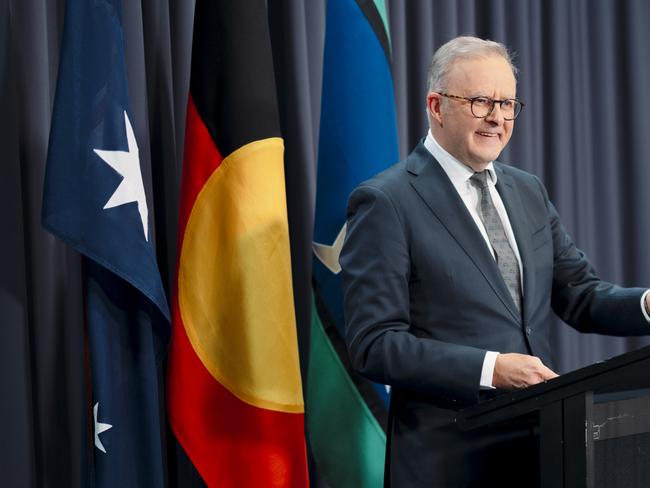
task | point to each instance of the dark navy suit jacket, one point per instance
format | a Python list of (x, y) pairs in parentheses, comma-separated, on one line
[(424, 301)]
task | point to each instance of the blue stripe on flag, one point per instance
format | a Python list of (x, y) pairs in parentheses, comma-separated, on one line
[(358, 132)]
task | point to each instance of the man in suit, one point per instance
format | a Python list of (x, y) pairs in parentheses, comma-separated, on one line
[(451, 265)]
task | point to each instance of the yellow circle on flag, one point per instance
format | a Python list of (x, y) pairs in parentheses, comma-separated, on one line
[(234, 280)]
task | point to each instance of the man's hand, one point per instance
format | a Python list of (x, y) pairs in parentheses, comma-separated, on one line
[(514, 371)]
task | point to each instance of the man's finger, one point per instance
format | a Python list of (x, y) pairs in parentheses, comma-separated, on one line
[(548, 374)]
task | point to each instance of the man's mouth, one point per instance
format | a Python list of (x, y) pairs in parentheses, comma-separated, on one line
[(487, 134)]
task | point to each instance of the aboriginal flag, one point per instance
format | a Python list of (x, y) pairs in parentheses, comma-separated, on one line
[(234, 393)]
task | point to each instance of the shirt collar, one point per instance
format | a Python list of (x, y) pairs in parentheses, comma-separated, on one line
[(457, 172)]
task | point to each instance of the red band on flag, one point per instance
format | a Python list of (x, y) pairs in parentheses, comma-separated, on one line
[(231, 443)]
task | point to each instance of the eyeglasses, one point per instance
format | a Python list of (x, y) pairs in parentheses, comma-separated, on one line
[(481, 107)]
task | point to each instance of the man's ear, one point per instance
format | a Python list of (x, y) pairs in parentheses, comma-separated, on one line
[(433, 108)]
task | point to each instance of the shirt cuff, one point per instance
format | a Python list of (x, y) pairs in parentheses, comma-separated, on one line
[(487, 372), (645, 312)]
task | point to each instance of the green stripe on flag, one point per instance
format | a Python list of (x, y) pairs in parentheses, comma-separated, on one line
[(380, 5), (339, 423)]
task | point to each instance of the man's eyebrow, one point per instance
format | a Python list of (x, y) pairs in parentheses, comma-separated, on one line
[(512, 97)]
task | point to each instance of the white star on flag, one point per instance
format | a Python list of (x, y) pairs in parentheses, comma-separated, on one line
[(99, 428), (329, 255), (127, 164)]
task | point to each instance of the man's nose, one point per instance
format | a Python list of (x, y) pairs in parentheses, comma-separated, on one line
[(496, 115)]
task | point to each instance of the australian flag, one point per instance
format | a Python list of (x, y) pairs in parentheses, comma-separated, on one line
[(95, 200)]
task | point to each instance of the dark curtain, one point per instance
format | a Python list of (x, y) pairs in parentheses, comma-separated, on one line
[(41, 324), (584, 75)]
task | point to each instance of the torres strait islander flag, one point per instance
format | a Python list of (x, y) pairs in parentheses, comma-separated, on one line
[(234, 392), (358, 138)]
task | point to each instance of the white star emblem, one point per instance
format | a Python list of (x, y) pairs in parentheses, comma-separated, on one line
[(127, 164), (99, 428), (329, 255)]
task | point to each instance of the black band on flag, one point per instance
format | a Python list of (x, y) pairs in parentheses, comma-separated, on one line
[(374, 19), (232, 83)]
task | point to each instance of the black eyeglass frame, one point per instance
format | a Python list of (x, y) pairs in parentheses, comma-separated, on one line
[(517, 111)]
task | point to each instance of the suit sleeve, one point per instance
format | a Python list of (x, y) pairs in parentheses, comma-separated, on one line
[(376, 268), (582, 299)]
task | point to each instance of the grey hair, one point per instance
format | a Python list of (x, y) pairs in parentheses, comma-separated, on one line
[(465, 47)]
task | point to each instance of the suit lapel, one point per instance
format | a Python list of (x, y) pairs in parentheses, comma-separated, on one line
[(517, 216), (435, 188)]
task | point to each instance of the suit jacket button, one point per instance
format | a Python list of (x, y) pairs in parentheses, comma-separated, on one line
[(529, 331)]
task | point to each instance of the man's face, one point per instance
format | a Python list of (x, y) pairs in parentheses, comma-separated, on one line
[(471, 140)]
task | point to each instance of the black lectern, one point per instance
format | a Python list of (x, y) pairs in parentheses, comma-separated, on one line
[(593, 423)]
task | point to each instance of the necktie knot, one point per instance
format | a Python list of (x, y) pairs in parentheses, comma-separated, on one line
[(480, 179)]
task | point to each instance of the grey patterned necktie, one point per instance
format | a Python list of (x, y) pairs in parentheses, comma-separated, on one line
[(505, 256)]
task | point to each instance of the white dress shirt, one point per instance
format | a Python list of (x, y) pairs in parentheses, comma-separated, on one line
[(460, 175)]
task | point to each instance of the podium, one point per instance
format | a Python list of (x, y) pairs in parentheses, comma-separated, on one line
[(593, 423)]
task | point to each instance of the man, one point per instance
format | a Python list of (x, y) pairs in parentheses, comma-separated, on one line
[(451, 266)]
